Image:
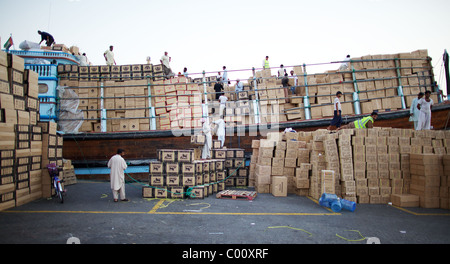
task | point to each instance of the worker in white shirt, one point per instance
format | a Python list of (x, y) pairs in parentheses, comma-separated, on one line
[(239, 86), (225, 75), (222, 100), (165, 61), (344, 66), (281, 72), (424, 105), (109, 56), (337, 119), (295, 81)]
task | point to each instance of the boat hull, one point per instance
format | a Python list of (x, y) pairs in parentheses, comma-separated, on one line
[(89, 148)]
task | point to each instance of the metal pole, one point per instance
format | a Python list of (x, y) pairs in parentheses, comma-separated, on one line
[(103, 122), (205, 92), (400, 86), (356, 105), (306, 97), (151, 111), (256, 101)]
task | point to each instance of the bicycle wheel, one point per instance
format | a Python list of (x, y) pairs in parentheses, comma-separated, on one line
[(59, 192)]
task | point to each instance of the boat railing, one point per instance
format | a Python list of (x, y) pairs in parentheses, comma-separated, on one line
[(45, 71), (43, 54), (358, 84)]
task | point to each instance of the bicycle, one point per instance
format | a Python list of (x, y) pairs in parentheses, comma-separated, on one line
[(56, 182)]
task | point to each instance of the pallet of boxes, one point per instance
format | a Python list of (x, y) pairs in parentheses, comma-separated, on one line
[(180, 174)]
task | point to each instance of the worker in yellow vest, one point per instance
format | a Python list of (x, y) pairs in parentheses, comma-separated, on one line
[(365, 122), (266, 63)]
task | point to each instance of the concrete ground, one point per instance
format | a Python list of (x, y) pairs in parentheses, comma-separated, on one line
[(90, 215)]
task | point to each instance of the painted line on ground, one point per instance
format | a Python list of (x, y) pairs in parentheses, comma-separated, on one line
[(420, 214)]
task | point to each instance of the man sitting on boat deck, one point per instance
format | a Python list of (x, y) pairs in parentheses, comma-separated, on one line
[(365, 122)]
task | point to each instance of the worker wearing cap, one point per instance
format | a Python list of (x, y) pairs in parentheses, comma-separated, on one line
[(206, 130), (363, 123)]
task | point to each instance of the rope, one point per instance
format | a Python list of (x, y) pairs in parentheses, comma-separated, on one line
[(352, 240)]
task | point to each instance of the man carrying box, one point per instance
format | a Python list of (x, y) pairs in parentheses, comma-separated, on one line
[(363, 123)]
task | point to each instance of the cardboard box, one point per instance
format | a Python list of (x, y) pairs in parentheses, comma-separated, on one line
[(405, 200), (279, 186)]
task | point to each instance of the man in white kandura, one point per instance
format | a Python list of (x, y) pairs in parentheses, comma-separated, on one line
[(118, 165), (414, 112), (220, 131), (424, 105), (206, 129)]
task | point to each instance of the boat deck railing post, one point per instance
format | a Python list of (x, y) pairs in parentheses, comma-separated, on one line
[(356, 103), (400, 86), (103, 123), (256, 101), (205, 109), (151, 109), (306, 97)]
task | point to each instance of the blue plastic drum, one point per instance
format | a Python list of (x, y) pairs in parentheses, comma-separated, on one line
[(348, 205)]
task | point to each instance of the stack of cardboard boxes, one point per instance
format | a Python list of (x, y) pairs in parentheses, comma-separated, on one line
[(52, 147), (177, 102), (374, 166), (274, 162), (176, 172), (26, 144)]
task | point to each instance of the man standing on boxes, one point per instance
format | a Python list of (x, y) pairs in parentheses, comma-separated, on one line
[(225, 76), (222, 100), (109, 56), (220, 123), (266, 63), (424, 105), (165, 61), (239, 86), (206, 129), (118, 165), (414, 112)]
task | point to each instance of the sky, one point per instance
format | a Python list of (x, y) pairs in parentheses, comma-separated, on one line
[(204, 35)]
